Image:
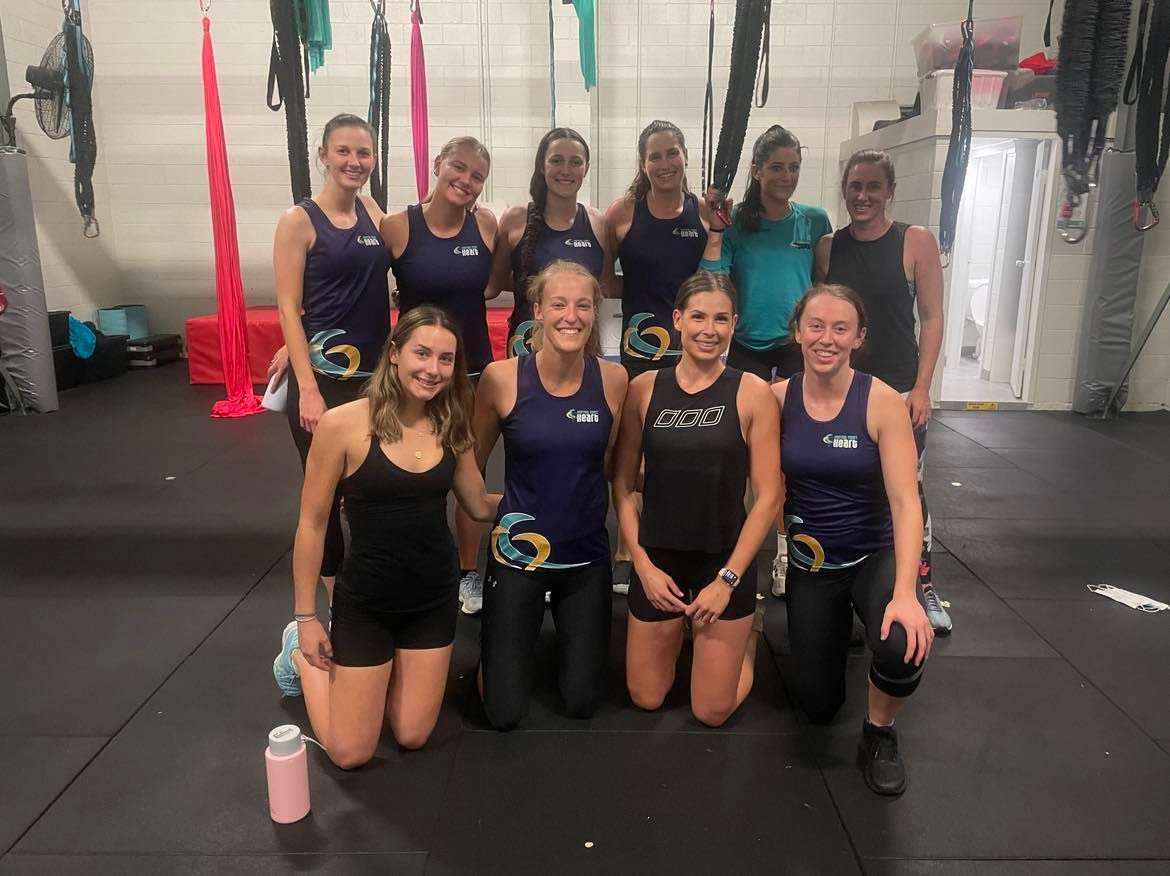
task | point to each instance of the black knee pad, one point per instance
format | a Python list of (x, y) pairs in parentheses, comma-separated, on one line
[(889, 671)]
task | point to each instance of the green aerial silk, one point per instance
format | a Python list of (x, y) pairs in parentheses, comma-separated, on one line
[(318, 32), (585, 39)]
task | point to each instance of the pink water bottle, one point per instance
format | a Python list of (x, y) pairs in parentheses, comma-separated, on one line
[(287, 763)]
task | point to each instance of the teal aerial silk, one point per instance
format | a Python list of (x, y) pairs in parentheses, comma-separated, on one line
[(318, 32), (586, 42)]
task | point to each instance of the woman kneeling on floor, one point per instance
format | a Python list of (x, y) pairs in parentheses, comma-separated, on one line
[(703, 429), (395, 455), (854, 527)]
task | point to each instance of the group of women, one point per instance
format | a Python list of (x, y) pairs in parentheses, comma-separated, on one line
[(701, 454)]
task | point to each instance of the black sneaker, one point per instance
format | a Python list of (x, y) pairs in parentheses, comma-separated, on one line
[(878, 759)]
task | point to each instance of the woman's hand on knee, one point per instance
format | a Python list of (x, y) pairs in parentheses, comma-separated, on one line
[(314, 644), (660, 589), (909, 614)]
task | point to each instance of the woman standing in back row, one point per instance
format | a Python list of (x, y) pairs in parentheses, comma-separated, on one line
[(333, 295), (768, 251), (659, 233), (895, 268), (441, 253)]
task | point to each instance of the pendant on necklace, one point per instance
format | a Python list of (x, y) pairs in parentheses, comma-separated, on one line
[(418, 454)]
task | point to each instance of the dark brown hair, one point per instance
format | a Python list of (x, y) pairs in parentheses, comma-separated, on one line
[(641, 183), (837, 291), (538, 191), (747, 217), (869, 156), (705, 281)]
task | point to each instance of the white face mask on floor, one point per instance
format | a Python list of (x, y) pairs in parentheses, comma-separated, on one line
[(1133, 600)]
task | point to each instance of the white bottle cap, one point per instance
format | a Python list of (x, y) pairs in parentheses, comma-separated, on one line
[(285, 740)]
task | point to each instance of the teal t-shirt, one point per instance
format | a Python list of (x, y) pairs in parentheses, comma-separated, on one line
[(771, 268)]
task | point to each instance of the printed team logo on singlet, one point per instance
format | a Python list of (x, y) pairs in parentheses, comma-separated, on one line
[(816, 561), (368, 240), (505, 551), (319, 356), (840, 442), (692, 417), (465, 251), (520, 344), (636, 345), (685, 232), (578, 416), (578, 243)]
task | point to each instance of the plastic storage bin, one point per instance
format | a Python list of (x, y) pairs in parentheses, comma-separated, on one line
[(938, 89), (125, 319), (997, 45)]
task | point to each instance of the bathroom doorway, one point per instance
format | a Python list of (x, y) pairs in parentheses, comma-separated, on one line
[(996, 271)]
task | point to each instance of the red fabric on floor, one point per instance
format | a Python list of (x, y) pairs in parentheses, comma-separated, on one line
[(264, 339), (241, 401)]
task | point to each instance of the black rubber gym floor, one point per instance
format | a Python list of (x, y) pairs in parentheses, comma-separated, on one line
[(144, 583)]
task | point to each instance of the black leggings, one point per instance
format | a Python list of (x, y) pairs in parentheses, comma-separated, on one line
[(335, 392), (513, 610), (819, 625)]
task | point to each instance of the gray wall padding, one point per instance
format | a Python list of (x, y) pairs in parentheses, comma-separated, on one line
[(1111, 292), (24, 327)]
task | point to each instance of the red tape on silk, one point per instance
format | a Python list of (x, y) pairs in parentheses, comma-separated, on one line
[(229, 289), (418, 103)]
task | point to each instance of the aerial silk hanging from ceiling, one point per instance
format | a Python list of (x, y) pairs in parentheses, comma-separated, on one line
[(418, 102), (229, 289)]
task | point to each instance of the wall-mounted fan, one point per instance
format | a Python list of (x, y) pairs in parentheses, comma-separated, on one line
[(48, 94), (62, 84)]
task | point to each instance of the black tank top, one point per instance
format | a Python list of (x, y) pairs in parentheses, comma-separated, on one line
[(874, 269), (402, 556), (696, 466)]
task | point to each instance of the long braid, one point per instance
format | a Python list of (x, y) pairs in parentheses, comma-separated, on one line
[(532, 228)]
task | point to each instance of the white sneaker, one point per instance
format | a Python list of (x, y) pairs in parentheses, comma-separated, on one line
[(779, 573), (471, 593)]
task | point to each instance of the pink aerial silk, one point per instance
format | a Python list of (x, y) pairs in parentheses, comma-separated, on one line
[(418, 103), (229, 289)]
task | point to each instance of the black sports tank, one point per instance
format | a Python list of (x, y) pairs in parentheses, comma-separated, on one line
[(401, 556), (696, 466), (874, 270)]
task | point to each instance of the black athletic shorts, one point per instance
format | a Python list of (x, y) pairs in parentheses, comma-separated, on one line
[(362, 636), (692, 571), (785, 360)]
